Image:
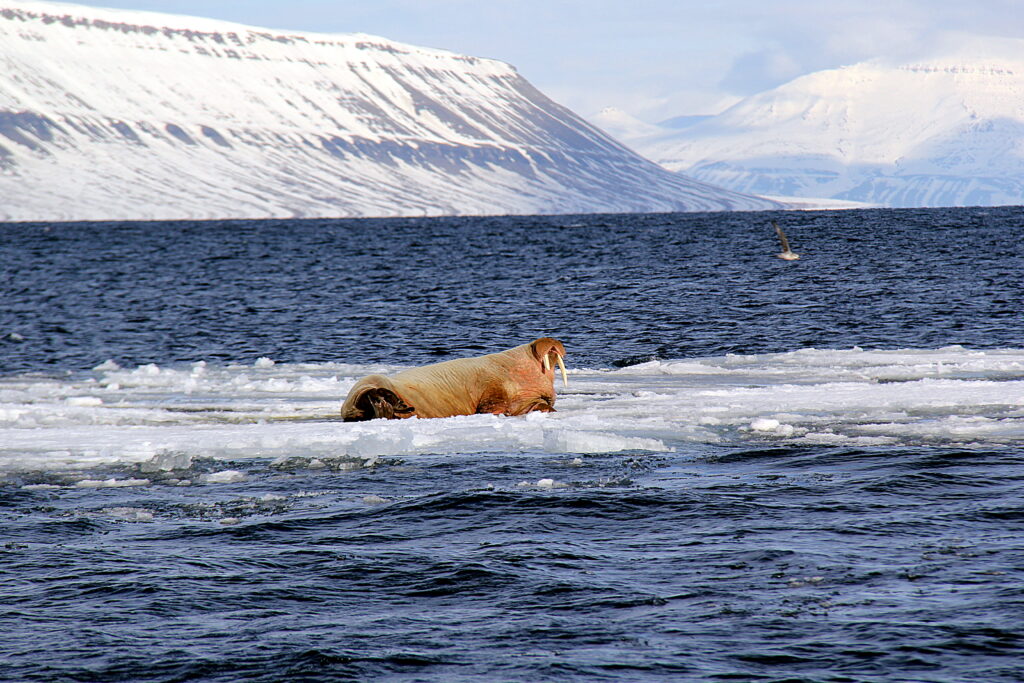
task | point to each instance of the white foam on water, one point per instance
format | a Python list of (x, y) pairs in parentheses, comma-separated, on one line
[(164, 417)]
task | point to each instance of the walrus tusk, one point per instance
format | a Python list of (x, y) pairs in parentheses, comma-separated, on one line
[(561, 366), (546, 362)]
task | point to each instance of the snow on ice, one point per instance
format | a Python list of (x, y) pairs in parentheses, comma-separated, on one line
[(163, 417)]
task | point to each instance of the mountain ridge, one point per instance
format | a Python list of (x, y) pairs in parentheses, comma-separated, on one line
[(932, 131), (110, 114)]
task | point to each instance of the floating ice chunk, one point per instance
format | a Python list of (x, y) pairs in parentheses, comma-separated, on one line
[(374, 500), (224, 477), (167, 461), (570, 441), (310, 494), (109, 483), (807, 580), (767, 424), (275, 386), (264, 362), (108, 364), (40, 487), (229, 521), (129, 514), (84, 401), (12, 415), (545, 483), (357, 463)]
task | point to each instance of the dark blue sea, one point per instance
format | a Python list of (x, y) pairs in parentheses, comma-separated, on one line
[(760, 470)]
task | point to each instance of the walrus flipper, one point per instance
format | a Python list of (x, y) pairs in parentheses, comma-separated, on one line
[(387, 404), (378, 403)]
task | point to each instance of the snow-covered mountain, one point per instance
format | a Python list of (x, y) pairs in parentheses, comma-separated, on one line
[(622, 125), (943, 130), (110, 114)]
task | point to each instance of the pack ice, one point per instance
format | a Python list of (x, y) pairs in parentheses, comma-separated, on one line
[(163, 417)]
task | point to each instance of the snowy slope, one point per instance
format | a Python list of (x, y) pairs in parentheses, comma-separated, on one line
[(943, 130), (623, 126), (109, 114)]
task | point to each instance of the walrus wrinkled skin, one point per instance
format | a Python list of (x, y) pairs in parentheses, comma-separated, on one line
[(513, 382)]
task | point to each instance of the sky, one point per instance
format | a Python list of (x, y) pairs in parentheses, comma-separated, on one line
[(654, 59)]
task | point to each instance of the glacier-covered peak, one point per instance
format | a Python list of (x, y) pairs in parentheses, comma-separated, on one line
[(942, 128)]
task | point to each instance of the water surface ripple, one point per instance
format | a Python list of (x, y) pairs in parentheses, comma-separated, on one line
[(412, 291), (878, 536)]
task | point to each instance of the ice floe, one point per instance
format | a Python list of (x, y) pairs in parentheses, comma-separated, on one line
[(161, 418)]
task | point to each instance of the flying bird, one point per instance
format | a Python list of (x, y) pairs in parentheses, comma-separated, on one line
[(787, 253)]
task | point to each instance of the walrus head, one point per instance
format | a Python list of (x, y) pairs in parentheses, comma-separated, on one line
[(546, 348)]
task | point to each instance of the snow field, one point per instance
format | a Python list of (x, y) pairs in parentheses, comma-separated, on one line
[(112, 114)]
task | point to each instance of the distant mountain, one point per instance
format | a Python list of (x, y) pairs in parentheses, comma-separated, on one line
[(944, 130), (109, 114), (623, 126), (685, 121)]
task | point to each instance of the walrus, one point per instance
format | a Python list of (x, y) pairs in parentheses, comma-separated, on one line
[(513, 382)]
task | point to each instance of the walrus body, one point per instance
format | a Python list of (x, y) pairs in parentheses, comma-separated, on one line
[(513, 382)]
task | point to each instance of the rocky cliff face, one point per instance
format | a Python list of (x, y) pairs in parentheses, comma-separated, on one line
[(129, 115)]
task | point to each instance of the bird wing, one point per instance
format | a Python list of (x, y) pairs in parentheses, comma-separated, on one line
[(782, 237)]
